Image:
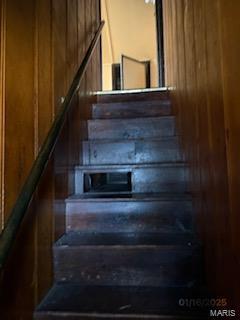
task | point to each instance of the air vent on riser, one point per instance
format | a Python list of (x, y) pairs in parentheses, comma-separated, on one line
[(142, 179)]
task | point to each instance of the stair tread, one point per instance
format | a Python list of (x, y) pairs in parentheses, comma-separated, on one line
[(133, 120), (132, 95), (173, 239), (133, 104), (131, 197), (147, 139), (109, 167), (159, 103), (74, 298)]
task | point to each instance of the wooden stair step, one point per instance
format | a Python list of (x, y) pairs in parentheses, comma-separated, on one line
[(139, 128), (130, 249), (100, 152), (151, 178), (133, 109), (79, 238), (135, 212), (72, 301), (128, 96), (127, 259)]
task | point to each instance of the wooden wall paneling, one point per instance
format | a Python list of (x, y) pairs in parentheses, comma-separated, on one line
[(60, 79), (181, 58), (81, 94), (166, 23), (179, 100), (98, 58), (95, 60), (72, 35), (202, 137), (28, 273), (2, 108), (207, 187), (190, 119), (82, 40), (19, 282), (59, 10), (201, 93), (46, 224), (217, 152), (61, 179), (18, 295), (45, 113), (94, 28), (88, 30), (92, 32), (19, 105), (230, 49), (89, 73), (44, 68), (81, 30), (40, 43), (72, 58)]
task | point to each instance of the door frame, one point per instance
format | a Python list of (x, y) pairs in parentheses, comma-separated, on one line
[(160, 43)]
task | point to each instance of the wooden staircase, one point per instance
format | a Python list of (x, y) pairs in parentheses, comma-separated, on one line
[(130, 250)]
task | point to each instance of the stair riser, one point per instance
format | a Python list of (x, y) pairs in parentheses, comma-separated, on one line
[(126, 265), (89, 316), (143, 96), (130, 152), (117, 216), (71, 301), (131, 128), (136, 109), (145, 180)]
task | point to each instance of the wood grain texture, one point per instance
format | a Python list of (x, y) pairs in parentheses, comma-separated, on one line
[(108, 302), (2, 106), (202, 65), (141, 214), (230, 50), (19, 98), (41, 48), (109, 261)]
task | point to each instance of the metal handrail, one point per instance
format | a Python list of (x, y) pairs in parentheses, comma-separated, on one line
[(18, 212)]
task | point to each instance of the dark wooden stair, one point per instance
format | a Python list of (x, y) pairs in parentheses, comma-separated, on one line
[(136, 128), (145, 178), (72, 301), (133, 109), (130, 212), (130, 250), (102, 152), (121, 259)]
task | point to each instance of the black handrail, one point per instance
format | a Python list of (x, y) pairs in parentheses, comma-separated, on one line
[(18, 212)]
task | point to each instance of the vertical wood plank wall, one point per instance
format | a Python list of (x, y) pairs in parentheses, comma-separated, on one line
[(42, 44), (202, 51)]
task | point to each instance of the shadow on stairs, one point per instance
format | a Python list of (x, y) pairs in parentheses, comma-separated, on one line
[(130, 250)]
